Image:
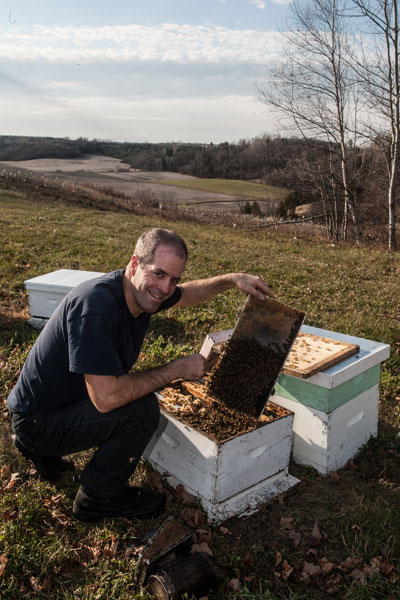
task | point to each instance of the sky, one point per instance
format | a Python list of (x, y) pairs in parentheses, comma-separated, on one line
[(138, 70)]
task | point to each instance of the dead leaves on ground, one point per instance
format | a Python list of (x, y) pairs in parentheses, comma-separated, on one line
[(320, 571)]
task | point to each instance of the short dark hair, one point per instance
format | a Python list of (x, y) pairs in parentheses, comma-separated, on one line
[(150, 239)]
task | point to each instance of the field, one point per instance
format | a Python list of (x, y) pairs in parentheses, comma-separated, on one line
[(102, 171), (329, 537)]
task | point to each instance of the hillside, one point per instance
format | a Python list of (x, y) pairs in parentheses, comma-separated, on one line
[(330, 537)]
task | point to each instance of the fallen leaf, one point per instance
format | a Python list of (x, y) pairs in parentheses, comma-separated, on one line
[(311, 569), (349, 563), (334, 476), (13, 480), (184, 495), (286, 523), (110, 549), (287, 570), (386, 568), (304, 578), (326, 566), (5, 471), (192, 516), (295, 537), (358, 574), (203, 535), (35, 584), (203, 547), (316, 535), (234, 584), (3, 562), (225, 531), (10, 515), (154, 481), (278, 558)]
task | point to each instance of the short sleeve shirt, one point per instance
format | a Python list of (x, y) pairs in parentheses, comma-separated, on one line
[(92, 331)]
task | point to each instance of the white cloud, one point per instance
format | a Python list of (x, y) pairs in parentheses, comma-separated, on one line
[(182, 44), (259, 3)]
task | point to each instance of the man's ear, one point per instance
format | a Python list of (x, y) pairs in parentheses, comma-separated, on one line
[(133, 265)]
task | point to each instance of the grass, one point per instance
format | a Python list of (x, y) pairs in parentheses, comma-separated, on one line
[(231, 187), (342, 288)]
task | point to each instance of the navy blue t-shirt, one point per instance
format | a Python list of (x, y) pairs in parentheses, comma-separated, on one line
[(92, 331)]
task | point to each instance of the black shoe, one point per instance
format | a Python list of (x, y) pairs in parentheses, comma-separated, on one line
[(131, 503), (48, 467)]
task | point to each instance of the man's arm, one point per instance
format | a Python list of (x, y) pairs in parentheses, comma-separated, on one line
[(200, 290), (108, 392)]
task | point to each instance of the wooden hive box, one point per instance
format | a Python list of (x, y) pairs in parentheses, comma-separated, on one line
[(230, 478)]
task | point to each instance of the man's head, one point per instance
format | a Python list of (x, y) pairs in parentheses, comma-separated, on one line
[(149, 241), (155, 270)]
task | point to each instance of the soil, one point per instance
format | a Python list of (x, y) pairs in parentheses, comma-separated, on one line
[(207, 414)]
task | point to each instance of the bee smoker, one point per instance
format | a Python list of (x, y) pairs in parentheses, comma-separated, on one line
[(168, 568)]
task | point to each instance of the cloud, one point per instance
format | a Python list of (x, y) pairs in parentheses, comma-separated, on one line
[(182, 44), (259, 3)]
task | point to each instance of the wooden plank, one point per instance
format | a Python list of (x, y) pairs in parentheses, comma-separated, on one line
[(312, 353)]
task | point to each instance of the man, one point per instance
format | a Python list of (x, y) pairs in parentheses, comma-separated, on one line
[(76, 390)]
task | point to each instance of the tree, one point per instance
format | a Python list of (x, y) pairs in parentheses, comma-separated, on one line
[(312, 87), (378, 73)]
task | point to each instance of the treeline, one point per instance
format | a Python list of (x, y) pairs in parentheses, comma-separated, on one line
[(309, 167)]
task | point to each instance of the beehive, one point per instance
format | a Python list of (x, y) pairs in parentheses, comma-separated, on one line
[(336, 409), (230, 478), (47, 291)]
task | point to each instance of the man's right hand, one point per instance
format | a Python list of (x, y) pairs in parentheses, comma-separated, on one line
[(191, 367)]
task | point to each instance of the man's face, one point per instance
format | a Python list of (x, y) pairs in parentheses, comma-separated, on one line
[(156, 281)]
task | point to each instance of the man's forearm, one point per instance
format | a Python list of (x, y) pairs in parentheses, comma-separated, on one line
[(201, 290), (110, 392)]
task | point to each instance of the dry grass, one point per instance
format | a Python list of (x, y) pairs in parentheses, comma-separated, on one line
[(353, 515)]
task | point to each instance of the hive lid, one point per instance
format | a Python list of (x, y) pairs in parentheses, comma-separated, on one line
[(246, 372), (61, 281)]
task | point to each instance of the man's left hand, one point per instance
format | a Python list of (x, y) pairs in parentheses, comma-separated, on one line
[(253, 285)]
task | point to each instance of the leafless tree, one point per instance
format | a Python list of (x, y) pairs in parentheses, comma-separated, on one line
[(312, 87), (377, 71)]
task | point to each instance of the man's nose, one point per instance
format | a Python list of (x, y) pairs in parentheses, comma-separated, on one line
[(165, 286)]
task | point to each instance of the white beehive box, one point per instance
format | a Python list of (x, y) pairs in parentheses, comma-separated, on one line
[(336, 410), (230, 478), (47, 291)]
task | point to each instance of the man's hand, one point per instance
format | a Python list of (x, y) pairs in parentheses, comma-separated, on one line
[(191, 367), (253, 285)]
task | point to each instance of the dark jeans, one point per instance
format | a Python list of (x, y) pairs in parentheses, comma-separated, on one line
[(121, 436)]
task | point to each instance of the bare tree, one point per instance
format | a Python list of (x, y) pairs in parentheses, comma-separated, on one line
[(312, 87), (378, 73)]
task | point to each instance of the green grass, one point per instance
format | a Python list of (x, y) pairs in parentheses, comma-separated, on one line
[(231, 187), (342, 288)]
